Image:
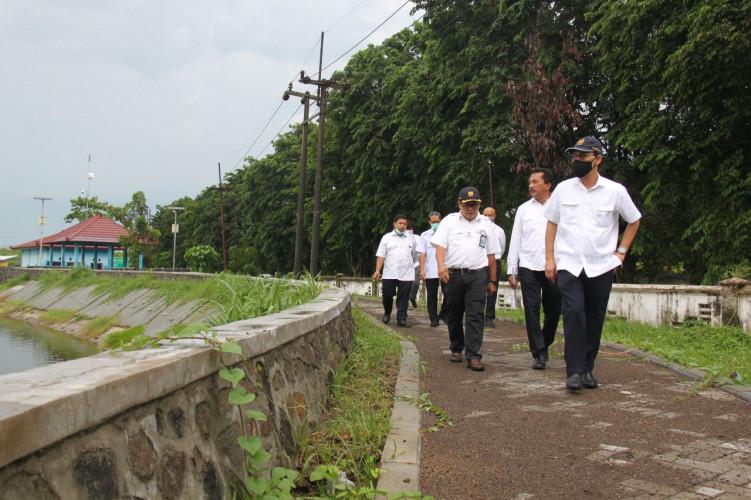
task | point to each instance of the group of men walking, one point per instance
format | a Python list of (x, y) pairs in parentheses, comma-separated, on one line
[(563, 252)]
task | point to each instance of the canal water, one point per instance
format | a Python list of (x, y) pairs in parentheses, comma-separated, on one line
[(24, 346)]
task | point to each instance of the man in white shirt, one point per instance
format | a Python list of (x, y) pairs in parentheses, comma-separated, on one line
[(429, 269), (582, 251), (526, 265), (395, 257), (465, 254), (419, 250), (500, 237)]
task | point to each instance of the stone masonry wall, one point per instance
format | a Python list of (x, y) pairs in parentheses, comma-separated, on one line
[(182, 444)]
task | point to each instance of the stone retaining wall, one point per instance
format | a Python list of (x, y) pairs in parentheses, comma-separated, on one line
[(155, 423)]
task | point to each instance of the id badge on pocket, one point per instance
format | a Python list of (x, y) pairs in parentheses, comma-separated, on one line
[(483, 240)]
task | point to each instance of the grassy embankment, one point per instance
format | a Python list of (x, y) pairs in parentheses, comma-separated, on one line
[(352, 435), (234, 297), (722, 351)]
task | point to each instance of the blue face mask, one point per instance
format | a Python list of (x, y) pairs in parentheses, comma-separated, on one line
[(434, 226), (398, 232)]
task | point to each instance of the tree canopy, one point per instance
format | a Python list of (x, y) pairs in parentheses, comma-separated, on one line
[(507, 86)]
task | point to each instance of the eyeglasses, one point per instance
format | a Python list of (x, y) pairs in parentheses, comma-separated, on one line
[(473, 204)]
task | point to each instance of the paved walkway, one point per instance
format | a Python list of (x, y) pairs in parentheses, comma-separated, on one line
[(646, 432)]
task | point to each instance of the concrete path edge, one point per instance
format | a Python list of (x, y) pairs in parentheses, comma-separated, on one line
[(400, 459), (742, 392)]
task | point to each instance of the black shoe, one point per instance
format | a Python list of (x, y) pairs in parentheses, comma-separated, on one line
[(545, 355), (588, 381), (574, 382), (386, 318), (404, 324), (434, 323), (414, 303), (538, 363), (489, 323)]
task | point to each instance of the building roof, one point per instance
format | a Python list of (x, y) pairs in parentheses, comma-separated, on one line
[(96, 229)]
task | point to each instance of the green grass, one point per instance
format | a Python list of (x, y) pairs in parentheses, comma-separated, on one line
[(8, 307), (352, 435), (60, 315), (23, 278), (238, 297), (98, 326), (722, 351), (119, 339)]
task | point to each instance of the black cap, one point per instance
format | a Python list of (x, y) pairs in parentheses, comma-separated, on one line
[(469, 193), (588, 144)]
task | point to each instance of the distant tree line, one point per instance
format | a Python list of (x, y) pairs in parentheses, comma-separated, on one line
[(665, 84)]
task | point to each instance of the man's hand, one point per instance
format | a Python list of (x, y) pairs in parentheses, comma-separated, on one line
[(377, 275), (551, 271), (444, 275), (620, 256), (512, 281), (492, 288), (422, 275)]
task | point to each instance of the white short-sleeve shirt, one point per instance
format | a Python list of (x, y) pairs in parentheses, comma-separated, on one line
[(431, 266), (587, 219), (527, 247), (398, 261), (500, 236), (419, 248), (467, 243)]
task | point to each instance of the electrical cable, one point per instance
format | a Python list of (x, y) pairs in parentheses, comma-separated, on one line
[(366, 36), (345, 16), (247, 151), (280, 130)]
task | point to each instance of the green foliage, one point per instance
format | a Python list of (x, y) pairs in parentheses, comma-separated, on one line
[(10, 283), (353, 434), (122, 338), (81, 208), (59, 315), (202, 259), (98, 326), (724, 351)]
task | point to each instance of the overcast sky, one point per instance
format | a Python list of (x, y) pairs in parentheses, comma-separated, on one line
[(157, 92)]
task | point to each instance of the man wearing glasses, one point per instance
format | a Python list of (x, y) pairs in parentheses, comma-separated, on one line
[(465, 254), (582, 252)]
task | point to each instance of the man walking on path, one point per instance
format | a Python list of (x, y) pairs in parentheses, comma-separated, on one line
[(582, 251), (429, 268), (418, 246), (500, 237), (465, 254), (395, 257), (526, 265)]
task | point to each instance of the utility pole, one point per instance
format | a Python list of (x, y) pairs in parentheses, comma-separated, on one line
[(42, 222), (221, 213), (175, 230), (306, 98), (490, 182), (323, 85)]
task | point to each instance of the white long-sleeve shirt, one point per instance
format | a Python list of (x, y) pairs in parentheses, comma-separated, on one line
[(527, 246)]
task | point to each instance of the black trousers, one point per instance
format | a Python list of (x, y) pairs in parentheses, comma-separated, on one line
[(492, 298), (431, 290), (584, 302), (465, 294), (533, 284), (401, 290), (415, 285)]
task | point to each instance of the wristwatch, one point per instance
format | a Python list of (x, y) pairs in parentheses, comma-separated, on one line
[(621, 250)]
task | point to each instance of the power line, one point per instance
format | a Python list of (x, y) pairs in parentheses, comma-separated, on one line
[(258, 136), (345, 16), (280, 130), (366, 36)]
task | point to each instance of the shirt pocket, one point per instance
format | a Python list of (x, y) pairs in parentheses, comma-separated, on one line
[(569, 211), (604, 215)]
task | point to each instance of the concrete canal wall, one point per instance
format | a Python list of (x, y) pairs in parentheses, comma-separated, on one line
[(155, 423)]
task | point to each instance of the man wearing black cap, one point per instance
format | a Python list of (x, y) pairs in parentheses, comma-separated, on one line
[(582, 251), (465, 254)]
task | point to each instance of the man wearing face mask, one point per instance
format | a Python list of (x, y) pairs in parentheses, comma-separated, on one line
[(465, 254), (582, 252), (395, 257), (500, 237), (429, 269)]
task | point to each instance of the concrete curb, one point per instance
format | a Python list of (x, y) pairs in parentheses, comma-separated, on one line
[(400, 460), (741, 392)]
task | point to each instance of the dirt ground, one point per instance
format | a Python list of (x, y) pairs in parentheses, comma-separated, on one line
[(646, 432)]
